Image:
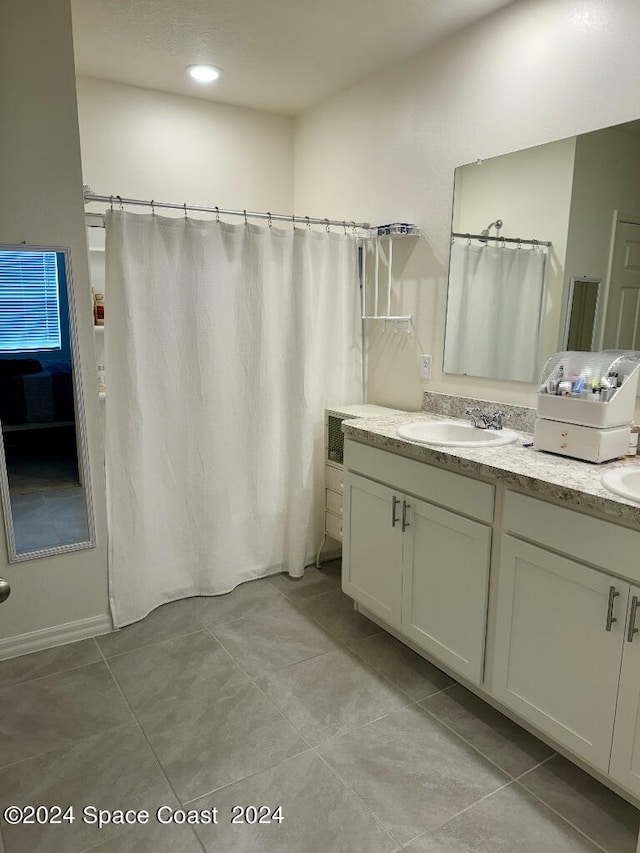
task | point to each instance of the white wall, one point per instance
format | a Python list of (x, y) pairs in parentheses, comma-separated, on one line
[(151, 145), (41, 203), (386, 150)]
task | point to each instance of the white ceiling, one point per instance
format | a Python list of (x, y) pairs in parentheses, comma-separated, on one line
[(282, 56)]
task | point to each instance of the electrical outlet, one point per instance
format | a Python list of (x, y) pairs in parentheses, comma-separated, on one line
[(425, 367)]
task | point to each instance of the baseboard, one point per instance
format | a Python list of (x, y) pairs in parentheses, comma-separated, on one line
[(57, 635)]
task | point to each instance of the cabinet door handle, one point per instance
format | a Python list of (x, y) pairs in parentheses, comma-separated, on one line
[(613, 594), (632, 619), (394, 504), (405, 523)]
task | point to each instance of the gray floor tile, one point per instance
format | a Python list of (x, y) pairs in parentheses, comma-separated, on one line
[(606, 818), (412, 772), (166, 674), (314, 582), (247, 599), (328, 695), (57, 711), (496, 736), (402, 666), (335, 612), (211, 741), (319, 814), (48, 662), (509, 821), (277, 637), (113, 770), (155, 837), (169, 620)]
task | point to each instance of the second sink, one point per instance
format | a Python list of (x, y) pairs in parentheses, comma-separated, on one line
[(455, 434), (624, 482)]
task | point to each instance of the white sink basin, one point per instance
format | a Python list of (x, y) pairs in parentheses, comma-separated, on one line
[(455, 434), (624, 482)]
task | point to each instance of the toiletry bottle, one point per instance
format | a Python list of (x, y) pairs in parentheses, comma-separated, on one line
[(98, 318)]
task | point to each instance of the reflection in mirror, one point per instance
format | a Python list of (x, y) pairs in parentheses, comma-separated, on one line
[(44, 470), (582, 313), (493, 309), (581, 195)]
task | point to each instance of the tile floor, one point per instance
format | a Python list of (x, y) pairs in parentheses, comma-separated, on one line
[(49, 518), (280, 694)]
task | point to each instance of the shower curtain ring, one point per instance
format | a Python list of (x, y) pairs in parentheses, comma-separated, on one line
[(120, 200), (327, 226), (293, 221), (217, 214), (270, 223), (353, 223), (519, 243), (308, 223), (185, 209), (153, 209), (245, 218), (344, 226), (468, 241), (111, 201)]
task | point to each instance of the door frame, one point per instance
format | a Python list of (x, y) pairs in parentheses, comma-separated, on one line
[(619, 218)]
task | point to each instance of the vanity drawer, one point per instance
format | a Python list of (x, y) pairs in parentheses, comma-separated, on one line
[(334, 478), (333, 502), (465, 495), (333, 526), (590, 540)]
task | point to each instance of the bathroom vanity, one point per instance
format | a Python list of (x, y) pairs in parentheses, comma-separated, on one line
[(515, 571)]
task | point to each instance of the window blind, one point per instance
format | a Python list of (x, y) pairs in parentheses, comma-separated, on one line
[(29, 301)]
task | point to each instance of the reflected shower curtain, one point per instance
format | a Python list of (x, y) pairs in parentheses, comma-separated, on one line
[(223, 345), (493, 311)]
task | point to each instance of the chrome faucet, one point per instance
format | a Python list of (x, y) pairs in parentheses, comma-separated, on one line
[(482, 421)]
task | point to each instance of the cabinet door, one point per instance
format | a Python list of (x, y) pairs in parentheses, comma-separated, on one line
[(445, 582), (625, 756), (555, 662), (372, 547)]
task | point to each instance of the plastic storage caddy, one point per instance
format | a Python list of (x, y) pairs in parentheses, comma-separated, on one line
[(590, 389)]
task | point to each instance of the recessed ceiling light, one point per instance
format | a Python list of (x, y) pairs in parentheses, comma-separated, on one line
[(204, 73)]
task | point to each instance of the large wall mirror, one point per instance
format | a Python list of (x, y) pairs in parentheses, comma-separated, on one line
[(545, 255), (44, 462)]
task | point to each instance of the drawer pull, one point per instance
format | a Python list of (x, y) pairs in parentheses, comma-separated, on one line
[(405, 523), (394, 504), (632, 619), (613, 594)]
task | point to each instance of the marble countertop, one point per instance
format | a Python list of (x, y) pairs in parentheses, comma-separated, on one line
[(574, 483)]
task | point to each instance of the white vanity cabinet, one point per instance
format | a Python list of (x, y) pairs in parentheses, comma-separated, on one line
[(412, 561), (555, 662), (372, 547), (445, 586), (554, 593), (565, 656), (625, 755)]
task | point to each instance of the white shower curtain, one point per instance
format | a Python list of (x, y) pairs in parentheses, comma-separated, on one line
[(493, 311), (223, 345)]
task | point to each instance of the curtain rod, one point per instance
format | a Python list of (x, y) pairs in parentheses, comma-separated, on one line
[(483, 238), (280, 217)]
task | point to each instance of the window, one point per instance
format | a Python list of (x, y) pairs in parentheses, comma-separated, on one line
[(29, 301)]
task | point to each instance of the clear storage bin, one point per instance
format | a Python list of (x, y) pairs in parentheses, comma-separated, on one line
[(591, 389)]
